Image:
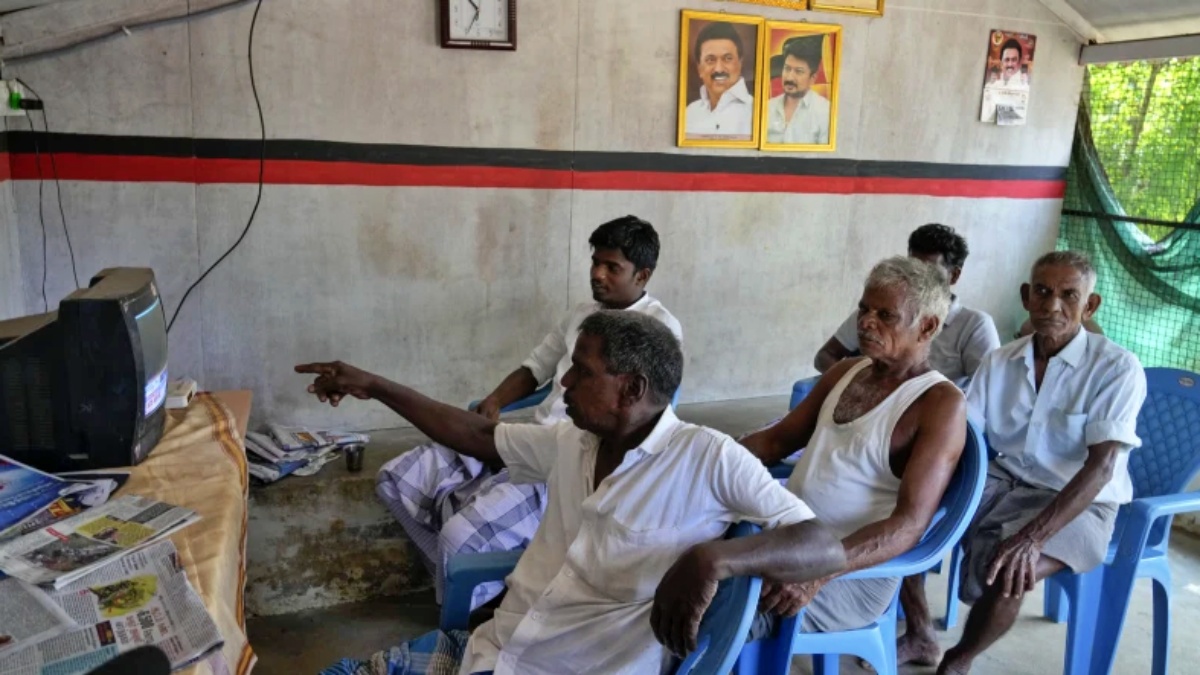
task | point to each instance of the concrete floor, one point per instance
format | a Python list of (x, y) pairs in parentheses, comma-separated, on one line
[(305, 642)]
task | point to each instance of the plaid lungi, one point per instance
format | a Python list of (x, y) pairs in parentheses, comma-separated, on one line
[(451, 504), (435, 653)]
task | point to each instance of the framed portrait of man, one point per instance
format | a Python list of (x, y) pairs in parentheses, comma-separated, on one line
[(1007, 80), (867, 7), (718, 64), (799, 88)]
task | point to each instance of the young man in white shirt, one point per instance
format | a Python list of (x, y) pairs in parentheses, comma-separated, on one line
[(630, 551), (725, 109), (451, 504), (968, 334), (799, 114), (1060, 409)]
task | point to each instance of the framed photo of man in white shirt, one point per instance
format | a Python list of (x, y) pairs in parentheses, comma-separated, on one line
[(718, 65), (799, 88)]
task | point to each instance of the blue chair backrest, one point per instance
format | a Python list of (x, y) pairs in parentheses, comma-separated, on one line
[(725, 625), (958, 507), (1169, 426)]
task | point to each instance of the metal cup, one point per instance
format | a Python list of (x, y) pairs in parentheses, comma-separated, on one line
[(354, 457)]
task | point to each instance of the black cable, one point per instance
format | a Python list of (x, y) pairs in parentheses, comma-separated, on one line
[(262, 163), (54, 168), (37, 157)]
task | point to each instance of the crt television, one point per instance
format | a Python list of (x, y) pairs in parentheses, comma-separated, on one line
[(84, 387)]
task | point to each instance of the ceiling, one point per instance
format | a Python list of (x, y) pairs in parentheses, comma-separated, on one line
[(1120, 20)]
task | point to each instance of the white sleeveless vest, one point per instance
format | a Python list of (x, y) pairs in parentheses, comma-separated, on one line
[(844, 474)]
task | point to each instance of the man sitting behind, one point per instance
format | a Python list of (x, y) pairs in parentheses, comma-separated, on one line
[(450, 504), (1060, 409), (967, 334), (630, 547), (883, 435)]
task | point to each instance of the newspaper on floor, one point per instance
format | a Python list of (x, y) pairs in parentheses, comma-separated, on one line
[(89, 494), (142, 599), (300, 438), (67, 550), (25, 490)]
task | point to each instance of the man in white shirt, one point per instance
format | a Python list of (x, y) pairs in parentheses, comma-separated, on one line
[(725, 109), (882, 437), (1060, 410), (968, 333), (799, 114), (451, 504), (630, 549)]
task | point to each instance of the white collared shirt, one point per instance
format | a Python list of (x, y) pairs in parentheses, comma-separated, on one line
[(1091, 392), (967, 335), (809, 124), (579, 600), (733, 117), (552, 358)]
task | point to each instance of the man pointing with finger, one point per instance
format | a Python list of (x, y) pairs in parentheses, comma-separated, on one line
[(629, 553)]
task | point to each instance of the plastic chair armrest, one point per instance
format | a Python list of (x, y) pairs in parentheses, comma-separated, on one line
[(1144, 512), (463, 574), (781, 471)]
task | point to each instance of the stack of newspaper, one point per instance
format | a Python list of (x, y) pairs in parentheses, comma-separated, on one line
[(31, 499), (287, 450), (143, 598)]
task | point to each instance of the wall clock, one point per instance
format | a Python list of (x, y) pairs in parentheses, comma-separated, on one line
[(479, 24)]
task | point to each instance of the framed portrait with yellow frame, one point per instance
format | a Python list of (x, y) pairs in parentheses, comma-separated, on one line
[(801, 67), (864, 7), (786, 4), (718, 69)]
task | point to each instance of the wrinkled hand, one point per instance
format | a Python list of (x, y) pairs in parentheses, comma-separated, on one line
[(683, 595), (787, 600), (1015, 565), (336, 380), (489, 408)]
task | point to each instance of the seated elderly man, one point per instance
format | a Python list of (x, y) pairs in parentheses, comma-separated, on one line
[(1060, 409), (967, 334), (883, 435), (630, 548)]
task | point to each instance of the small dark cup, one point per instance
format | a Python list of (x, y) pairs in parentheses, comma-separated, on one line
[(354, 457)]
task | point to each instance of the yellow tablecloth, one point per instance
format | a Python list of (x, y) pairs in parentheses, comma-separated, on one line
[(201, 464)]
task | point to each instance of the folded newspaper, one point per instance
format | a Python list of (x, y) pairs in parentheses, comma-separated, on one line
[(24, 490), (142, 599), (288, 450), (67, 550), (91, 493)]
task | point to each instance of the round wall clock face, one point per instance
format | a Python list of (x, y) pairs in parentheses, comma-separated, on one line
[(480, 21)]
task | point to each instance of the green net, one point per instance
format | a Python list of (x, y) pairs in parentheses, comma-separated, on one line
[(1133, 204)]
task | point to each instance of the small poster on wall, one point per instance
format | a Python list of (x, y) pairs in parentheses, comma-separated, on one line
[(1007, 77)]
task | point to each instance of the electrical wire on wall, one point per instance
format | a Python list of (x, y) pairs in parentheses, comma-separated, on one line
[(41, 105), (262, 161)]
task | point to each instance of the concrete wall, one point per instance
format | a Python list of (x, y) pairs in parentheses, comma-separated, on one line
[(447, 288), (12, 298)]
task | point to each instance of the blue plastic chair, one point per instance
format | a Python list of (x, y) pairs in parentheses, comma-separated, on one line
[(876, 643), (1169, 426), (723, 629), (540, 395)]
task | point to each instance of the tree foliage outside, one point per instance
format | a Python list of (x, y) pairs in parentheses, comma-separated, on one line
[(1145, 124)]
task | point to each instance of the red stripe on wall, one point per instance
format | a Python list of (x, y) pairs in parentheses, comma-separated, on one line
[(133, 168)]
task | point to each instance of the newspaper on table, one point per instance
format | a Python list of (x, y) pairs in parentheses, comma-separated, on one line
[(67, 550), (89, 494), (27, 616), (142, 599), (24, 490)]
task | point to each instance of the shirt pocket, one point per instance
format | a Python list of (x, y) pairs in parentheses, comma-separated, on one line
[(1065, 438), (630, 563)]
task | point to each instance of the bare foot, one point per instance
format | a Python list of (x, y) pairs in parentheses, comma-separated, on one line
[(920, 651), (953, 664)]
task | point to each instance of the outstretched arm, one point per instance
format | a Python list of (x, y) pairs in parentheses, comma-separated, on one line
[(461, 430)]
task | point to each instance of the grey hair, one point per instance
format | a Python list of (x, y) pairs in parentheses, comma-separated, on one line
[(636, 344), (927, 289), (1080, 262)]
